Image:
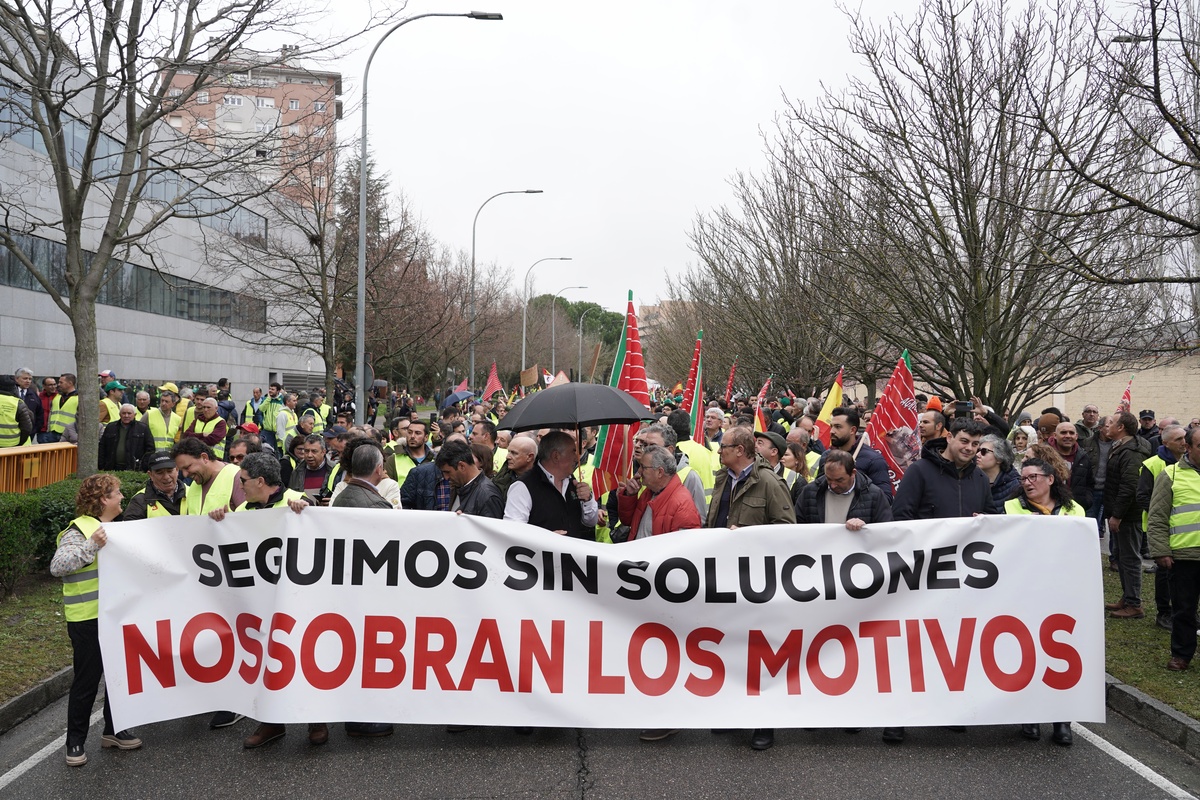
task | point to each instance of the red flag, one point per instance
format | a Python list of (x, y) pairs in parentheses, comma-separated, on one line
[(614, 445), (462, 387), (893, 425), (1126, 399), (761, 422), (693, 394), (729, 383), (493, 383), (832, 401)]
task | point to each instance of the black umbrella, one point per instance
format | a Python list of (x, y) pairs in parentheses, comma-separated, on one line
[(457, 397), (574, 405)]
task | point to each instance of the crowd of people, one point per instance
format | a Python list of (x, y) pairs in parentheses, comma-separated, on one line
[(1136, 476)]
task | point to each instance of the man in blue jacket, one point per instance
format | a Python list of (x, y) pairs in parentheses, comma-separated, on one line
[(843, 435)]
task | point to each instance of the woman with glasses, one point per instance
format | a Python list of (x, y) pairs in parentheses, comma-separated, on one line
[(995, 457), (1042, 492)]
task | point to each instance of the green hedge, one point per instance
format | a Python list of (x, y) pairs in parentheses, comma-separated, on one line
[(30, 524)]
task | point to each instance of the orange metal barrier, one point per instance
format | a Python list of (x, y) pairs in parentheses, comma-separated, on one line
[(35, 466)]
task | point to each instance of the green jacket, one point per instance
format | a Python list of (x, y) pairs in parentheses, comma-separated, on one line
[(1158, 520), (761, 499)]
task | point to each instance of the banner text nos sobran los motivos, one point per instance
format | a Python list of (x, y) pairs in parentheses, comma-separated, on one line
[(427, 617)]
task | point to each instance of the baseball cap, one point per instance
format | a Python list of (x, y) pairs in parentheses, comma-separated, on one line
[(108, 387), (159, 459), (169, 387), (108, 373), (248, 427), (331, 432), (1146, 414)]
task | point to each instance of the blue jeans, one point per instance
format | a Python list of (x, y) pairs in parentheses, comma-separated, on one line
[(46, 437), (268, 438)]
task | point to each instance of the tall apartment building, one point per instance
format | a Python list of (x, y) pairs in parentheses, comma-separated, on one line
[(278, 115)]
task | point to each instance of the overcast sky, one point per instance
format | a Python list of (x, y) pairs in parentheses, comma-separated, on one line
[(631, 116)]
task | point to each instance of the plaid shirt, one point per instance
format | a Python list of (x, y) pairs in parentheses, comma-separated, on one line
[(442, 496)]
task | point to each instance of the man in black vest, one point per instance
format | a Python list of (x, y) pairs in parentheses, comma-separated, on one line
[(547, 495)]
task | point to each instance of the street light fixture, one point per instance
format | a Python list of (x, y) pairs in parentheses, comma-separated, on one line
[(525, 307), (581, 316), (471, 374), (553, 297), (360, 406)]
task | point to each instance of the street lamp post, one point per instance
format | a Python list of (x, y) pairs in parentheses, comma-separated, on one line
[(553, 368), (581, 316), (525, 308), (360, 406), (471, 374)]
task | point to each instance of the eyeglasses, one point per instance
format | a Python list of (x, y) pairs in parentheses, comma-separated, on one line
[(983, 451), (1034, 477), (729, 445)]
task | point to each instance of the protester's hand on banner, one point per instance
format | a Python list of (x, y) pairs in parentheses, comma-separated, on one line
[(99, 537), (855, 524), (297, 505), (218, 514)]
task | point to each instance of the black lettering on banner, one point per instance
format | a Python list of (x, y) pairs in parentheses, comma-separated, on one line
[(269, 572), (901, 571), (688, 569), (941, 560), (711, 594), (512, 559), (339, 562), (361, 556), (748, 590), (627, 572), (440, 572), (587, 577), (228, 551), (847, 570), (972, 560), (477, 571), (201, 554), (294, 574), (789, 585)]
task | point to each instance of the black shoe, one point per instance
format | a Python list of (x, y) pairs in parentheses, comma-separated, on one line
[(722, 730), (75, 755), (893, 735), (523, 730), (458, 728), (223, 719), (763, 739), (852, 730), (1062, 734), (1163, 621), (956, 728), (1031, 730), (122, 740), (368, 729)]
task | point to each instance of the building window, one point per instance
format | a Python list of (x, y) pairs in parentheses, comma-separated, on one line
[(174, 92), (175, 121), (294, 130), (202, 123), (264, 102), (319, 131), (202, 98), (233, 100), (320, 159), (293, 105), (319, 181), (262, 152), (261, 127), (318, 105)]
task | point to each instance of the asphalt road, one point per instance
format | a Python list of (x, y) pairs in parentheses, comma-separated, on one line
[(183, 759)]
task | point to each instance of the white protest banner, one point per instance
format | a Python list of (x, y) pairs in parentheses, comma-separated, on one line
[(427, 617)]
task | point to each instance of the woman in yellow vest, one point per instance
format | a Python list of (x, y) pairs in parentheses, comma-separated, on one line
[(76, 562), (1043, 493)]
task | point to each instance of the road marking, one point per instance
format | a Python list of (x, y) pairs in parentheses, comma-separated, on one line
[(40, 755), (1124, 758)]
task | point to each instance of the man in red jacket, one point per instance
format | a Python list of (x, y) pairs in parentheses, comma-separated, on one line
[(660, 504)]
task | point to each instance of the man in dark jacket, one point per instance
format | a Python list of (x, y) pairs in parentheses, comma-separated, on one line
[(843, 435), (549, 497), (125, 442), (29, 396), (474, 492), (1066, 442), (842, 494), (944, 482), (1124, 514), (164, 492)]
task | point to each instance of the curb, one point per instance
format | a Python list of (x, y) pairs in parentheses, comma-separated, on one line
[(1154, 716), (24, 706)]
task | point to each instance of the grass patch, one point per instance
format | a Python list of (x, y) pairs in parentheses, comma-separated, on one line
[(33, 635), (1136, 652)]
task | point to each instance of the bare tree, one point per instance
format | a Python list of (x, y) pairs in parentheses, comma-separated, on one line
[(88, 86)]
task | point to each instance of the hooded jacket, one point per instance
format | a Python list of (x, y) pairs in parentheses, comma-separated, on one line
[(870, 463), (933, 488)]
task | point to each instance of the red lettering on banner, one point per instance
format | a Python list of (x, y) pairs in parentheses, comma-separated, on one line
[(138, 650), (375, 651), (993, 630), (954, 670), (916, 659), (550, 661), (598, 682), (827, 684), (761, 655), (339, 626), (245, 624), (280, 678), (654, 687), (487, 638), (705, 687), (1060, 650), (879, 631), (187, 648), (426, 659)]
